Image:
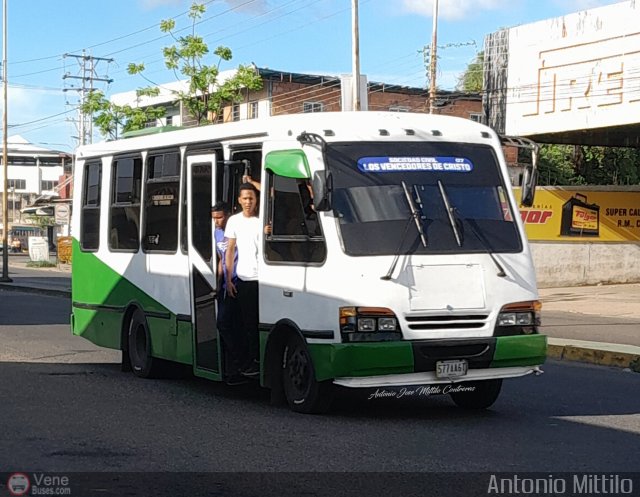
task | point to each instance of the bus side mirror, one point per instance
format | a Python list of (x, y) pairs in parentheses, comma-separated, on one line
[(529, 182), (321, 191)]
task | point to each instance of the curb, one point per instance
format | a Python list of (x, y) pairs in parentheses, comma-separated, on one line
[(599, 353), (52, 292)]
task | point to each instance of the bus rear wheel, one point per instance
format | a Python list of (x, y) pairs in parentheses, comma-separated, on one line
[(484, 395), (142, 363), (301, 389)]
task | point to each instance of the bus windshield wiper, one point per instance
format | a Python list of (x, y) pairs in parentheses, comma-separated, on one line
[(453, 212), (415, 215), (452, 221)]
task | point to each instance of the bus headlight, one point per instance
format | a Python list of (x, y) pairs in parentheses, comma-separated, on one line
[(366, 324), (515, 318), (369, 323), (519, 318), (387, 324)]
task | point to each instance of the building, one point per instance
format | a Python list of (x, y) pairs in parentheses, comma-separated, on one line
[(35, 175), (290, 93)]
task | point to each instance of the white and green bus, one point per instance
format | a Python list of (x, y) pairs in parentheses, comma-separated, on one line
[(396, 256)]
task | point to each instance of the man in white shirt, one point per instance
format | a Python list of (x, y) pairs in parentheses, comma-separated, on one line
[(243, 233)]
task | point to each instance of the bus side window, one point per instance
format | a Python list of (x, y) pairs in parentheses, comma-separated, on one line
[(296, 234), (124, 225), (253, 156), (160, 232), (90, 220)]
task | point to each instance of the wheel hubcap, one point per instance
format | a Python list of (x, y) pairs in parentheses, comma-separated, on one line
[(298, 370)]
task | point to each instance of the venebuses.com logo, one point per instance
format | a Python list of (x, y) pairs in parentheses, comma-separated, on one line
[(18, 484)]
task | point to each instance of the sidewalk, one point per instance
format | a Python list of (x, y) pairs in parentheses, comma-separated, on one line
[(55, 281), (621, 302)]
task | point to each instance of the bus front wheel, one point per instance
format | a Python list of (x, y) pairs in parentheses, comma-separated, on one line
[(483, 395), (303, 392), (142, 363)]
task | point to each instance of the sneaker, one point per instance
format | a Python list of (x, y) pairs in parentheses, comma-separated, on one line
[(253, 370), (236, 380)]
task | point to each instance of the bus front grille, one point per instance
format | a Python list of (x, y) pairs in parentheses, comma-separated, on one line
[(446, 322)]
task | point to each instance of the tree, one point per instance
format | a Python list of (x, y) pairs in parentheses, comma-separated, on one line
[(471, 80), (556, 166), (111, 118), (205, 96)]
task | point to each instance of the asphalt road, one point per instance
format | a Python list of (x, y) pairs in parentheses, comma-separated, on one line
[(67, 407)]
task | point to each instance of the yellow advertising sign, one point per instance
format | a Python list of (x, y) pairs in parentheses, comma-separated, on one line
[(578, 215)]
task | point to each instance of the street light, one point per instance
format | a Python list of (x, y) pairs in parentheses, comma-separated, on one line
[(5, 231)]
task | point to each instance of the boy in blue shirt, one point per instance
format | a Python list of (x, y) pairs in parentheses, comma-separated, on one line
[(233, 340)]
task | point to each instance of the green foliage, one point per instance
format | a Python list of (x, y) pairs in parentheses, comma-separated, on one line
[(471, 80), (583, 165), (111, 118), (41, 221), (556, 165), (611, 166), (187, 58), (40, 264)]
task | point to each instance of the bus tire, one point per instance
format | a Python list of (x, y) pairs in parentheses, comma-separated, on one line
[(142, 363), (301, 389), (485, 394)]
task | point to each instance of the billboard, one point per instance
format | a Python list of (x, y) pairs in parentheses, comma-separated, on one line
[(576, 72), (588, 215)]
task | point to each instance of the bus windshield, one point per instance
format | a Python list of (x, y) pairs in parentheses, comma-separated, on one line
[(375, 184)]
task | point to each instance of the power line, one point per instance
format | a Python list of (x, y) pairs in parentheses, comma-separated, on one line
[(88, 77)]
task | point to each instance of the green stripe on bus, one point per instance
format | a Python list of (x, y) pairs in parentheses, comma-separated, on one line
[(339, 360), (520, 350)]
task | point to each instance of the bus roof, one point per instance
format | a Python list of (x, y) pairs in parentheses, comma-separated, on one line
[(333, 126)]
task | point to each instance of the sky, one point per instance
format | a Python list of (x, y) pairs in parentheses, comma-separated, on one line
[(300, 36)]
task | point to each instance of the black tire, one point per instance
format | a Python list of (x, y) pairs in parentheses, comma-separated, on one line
[(483, 396), (301, 389), (142, 363)]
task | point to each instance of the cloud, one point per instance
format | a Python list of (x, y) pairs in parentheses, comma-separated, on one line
[(451, 9)]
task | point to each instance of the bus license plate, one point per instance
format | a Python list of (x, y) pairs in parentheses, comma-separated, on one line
[(450, 369)]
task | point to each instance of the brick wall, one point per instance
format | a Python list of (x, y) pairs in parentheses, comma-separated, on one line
[(383, 100), (289, 97)]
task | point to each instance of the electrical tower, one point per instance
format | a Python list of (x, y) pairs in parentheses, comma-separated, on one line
[(88, 76)]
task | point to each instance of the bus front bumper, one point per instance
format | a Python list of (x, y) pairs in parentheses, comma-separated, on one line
[(368, 364)]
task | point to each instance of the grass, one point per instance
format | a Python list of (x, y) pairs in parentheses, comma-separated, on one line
[(40, 264)]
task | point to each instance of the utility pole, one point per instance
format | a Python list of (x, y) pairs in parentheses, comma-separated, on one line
[(432, 64), (5, 181), (88, 76), (355, 44)]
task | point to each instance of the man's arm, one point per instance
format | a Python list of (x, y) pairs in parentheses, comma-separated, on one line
[(220, 274), (248, 179), (229, 260)]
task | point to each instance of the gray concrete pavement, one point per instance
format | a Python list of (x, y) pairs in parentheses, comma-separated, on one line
[(54, 281), (620, 347), (617, 346)]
